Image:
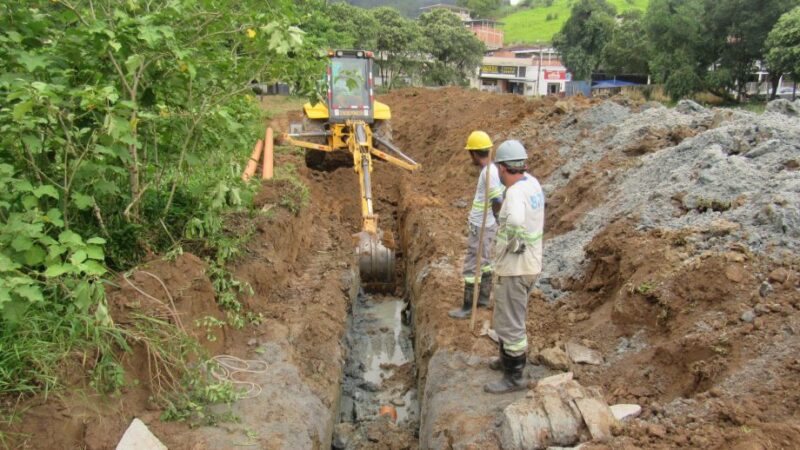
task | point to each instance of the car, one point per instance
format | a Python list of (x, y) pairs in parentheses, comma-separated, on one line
[(787, 92)]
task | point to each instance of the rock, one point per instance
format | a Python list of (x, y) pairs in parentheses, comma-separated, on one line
[(779, 276), (583, 355), (765, 289), (139, 437), (625, 411), (783, 106), (656, 430), (252, 342), (460, 203), (735, 273), (597, 416), (689, 107), (748, 316), (398, 402), (722, 227), (342, 435), (555, 380), (761, 309), (559, 415), (758, 323), (554, 358)]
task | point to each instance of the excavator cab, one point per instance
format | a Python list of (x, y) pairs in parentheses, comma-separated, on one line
[(352, 121)]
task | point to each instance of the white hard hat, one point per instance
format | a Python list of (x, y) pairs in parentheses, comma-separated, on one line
[(512, 153)]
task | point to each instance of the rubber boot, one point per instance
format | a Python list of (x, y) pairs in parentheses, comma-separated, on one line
[(512, 380), (486, 290), (497, 363), (466, 308)]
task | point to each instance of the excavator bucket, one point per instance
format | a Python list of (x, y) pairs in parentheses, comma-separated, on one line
[(375, 259)]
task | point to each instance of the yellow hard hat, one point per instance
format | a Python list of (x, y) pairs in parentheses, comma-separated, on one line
[(478, 140)]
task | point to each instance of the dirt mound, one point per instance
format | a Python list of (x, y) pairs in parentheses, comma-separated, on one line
[(663, 246)]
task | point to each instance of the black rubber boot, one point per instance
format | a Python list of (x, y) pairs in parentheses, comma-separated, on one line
[(486, 290), (466, 308), (512, 380)]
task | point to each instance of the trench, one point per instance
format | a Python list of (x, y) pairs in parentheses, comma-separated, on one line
[(379, 396)]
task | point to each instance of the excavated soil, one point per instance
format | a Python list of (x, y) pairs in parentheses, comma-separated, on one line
[(692, 323)]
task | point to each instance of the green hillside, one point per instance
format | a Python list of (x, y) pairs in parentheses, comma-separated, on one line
[(530, 26)]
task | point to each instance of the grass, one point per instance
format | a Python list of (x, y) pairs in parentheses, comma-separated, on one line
[(530, 26)]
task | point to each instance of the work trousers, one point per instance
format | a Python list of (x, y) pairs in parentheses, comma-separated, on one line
[(511, 294), (471, 258)]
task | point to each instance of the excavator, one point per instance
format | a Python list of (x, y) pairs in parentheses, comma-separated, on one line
[(350, 124)]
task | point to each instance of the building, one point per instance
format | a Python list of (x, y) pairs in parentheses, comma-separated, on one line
[(531, 71), (486, 30)]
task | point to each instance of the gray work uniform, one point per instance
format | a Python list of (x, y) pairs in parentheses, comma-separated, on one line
[(521, 219)]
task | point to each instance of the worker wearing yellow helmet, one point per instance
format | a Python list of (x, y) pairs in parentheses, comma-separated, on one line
[(478, 145)]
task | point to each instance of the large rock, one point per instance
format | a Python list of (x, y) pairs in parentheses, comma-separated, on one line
[(139, 437), (583, 355), (561, 415), (783, 106), (554, 358), (625, 411)]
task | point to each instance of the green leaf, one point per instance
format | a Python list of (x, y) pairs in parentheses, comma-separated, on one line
[(21, 109), (82, 202), (115, 45), (32, 62), (95, 252), (58, 270), (47, 190), (96, 240), (92, 267), (78, 257), (70, 237), (35, 255), (54, 216), (6, 265), (30, 292), (133, 62), (21, 243), (83, 296)]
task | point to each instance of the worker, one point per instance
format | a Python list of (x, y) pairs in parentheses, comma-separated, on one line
[(518, 262), (478, 145)]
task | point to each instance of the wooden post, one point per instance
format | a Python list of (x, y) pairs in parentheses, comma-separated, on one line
[(252, 164), (479, 256), (267, 164)]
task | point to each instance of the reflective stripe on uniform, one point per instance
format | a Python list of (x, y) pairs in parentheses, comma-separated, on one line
[(509, 232), (517, 346)]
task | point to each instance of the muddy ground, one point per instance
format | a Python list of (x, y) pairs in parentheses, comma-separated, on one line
[(704, 337)]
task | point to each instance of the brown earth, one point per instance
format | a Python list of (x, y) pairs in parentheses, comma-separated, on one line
[(666, 317)]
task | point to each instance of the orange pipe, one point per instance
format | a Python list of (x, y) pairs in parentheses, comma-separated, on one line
[(252, 164), (267, 163)]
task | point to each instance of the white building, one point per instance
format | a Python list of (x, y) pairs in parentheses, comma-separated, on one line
[(531, 71)]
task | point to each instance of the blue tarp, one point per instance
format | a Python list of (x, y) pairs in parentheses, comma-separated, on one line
[(608, 84)]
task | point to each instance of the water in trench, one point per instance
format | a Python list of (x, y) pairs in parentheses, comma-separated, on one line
[(379, 376)]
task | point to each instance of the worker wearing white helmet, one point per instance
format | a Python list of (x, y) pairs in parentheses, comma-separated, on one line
[(478, 146), (517, 262)]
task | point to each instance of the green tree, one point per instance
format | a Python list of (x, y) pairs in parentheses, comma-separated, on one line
[(122, 125), (681, 52), (584, 35), (628, 51), (455, 50), (737, 31), (480, 8), (783, 48), (398, 44), (353, 27)]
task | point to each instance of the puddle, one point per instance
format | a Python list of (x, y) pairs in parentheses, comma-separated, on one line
[(380, 368)]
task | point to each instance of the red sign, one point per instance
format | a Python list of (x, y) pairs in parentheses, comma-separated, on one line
[(555, 75)]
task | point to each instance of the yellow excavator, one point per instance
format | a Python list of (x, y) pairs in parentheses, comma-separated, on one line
[(352, 121)]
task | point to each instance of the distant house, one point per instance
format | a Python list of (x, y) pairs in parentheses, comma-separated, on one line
[(531, 71), (462, 13), (486, 30)]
